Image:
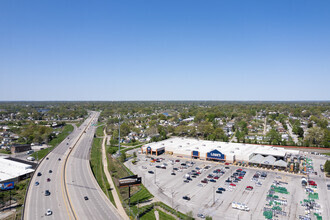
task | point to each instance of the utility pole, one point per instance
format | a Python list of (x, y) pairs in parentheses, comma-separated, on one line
[(119, 138)]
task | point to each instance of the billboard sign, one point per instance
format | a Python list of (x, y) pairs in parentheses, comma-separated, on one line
[(129, 181), (7, 186), (149, 149), (216, 155)]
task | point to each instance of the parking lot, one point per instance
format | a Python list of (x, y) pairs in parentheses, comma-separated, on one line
[(203, 198)]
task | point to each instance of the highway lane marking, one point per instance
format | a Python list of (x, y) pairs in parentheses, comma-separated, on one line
[(63, 170)]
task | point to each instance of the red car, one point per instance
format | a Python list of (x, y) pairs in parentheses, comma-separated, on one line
[(226, 163), (232, 184), (313, 184), (240, 177), (249, 188), (177, 161), (216, 177), (204, 181)]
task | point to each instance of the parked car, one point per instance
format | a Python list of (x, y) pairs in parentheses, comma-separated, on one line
[(39, 174), (48, 179), (200, 216), (249, 188), (151, 172), (36, 183), (204, 181), (219, 191), (85, 197), (232, 184), (50, 171), (222, 189), (186, 198), (213, 180), (186, 181), (173, 174)]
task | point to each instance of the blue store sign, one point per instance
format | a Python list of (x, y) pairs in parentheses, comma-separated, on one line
[(195, 153), (149, 149), (216, 155)]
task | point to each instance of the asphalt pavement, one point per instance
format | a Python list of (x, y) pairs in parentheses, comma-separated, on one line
[(79, 181)]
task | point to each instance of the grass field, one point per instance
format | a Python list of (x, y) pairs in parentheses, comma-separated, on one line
[(4, 151), (66, 130), (99, 131), (326, 154), (97, 168)]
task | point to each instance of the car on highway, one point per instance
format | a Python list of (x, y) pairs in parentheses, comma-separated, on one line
[(49, 212), (151, 172), (85, 197), (36, 183), (47, 193), (39, 174), (186, 198)]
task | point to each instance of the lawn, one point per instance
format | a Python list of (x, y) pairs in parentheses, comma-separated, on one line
[(326, 154), (99, 131), (4, 151), (66, 130), (97, 168), (165, 216)]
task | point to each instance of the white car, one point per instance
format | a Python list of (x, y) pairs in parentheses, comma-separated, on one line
[(49, 212)]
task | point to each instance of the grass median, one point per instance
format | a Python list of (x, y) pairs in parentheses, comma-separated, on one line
[(97, 168)]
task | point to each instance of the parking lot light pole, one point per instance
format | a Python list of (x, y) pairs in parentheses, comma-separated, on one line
[(213, 195)]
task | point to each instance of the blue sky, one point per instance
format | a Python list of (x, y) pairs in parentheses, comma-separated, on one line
[(165, 50)]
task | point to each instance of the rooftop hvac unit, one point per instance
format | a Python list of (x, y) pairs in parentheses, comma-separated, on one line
[(171, 141), (188, 143), (232, 152), (219, 146), (204, 145), (180, 145), (163, 144), (237, 148), (196, 147)]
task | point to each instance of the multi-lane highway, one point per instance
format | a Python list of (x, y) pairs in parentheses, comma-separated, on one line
[(71, 180)]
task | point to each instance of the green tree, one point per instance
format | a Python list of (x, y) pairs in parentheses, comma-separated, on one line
[(123, 157), (327, 166), (315, 136), (274, 137)]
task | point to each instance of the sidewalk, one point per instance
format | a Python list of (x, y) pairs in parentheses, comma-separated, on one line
[(119, 206)]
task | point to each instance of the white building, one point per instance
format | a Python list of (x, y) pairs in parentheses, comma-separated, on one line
[(214, 150)]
